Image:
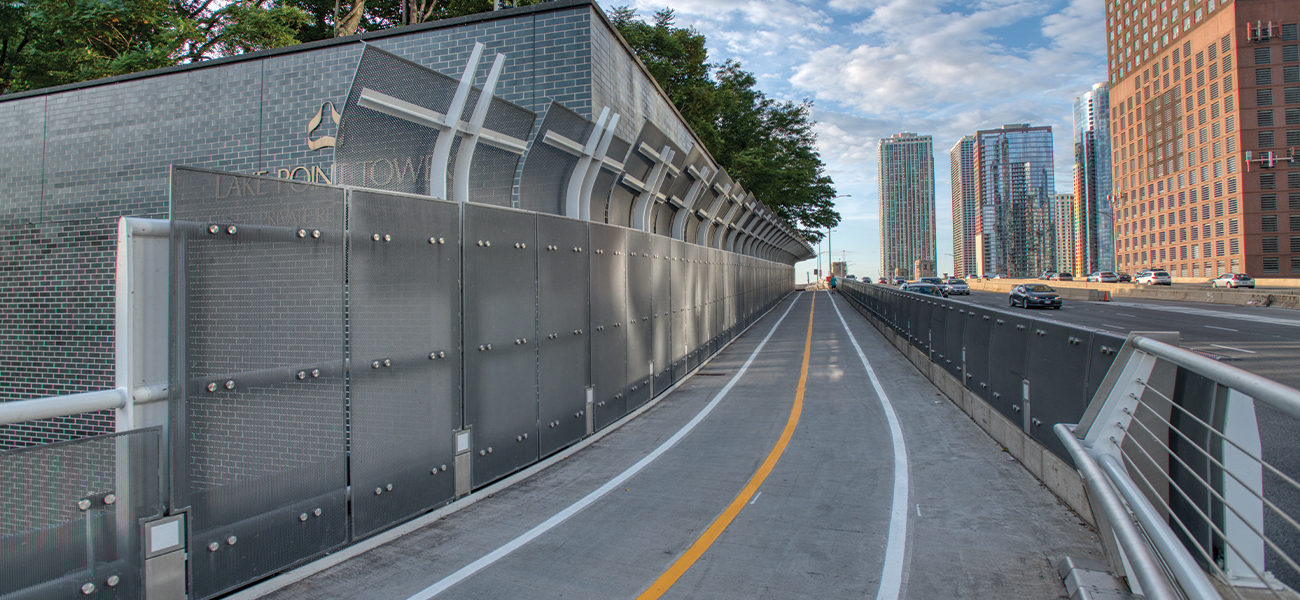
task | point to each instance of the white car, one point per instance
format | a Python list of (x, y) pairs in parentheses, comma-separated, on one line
[(1154, 278), (1233, 280)]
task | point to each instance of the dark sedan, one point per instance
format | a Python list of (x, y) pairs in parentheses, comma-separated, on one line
[(1034, 294)]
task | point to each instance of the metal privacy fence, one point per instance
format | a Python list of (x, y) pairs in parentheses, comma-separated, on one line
[(329, 337), (1035, 372)]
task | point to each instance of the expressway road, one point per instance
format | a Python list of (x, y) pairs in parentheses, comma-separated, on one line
[(1264, 341)]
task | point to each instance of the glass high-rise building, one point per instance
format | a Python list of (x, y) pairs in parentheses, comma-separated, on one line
[(1093, 243), (965, 206), (907, 224), (1205, 108), (1015, 234)]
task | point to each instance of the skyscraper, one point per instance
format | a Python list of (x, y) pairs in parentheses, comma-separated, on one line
[(965, 206), (1015, 233), (1093, 243), (1205, 106), (1065, 207), (907, 227)]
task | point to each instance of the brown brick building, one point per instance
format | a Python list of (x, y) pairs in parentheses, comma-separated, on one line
[(1205, 111)]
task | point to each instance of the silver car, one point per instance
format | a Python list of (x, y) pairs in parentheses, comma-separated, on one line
[(1154, 278), (957, 286), (1233, 280), (1103, 277)]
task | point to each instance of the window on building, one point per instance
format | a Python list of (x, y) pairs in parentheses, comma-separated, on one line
[(1218, 208), (1215, 130), (1227, 82), (1268, 201), (1218, 229), (1218, 189), (1232, 206), (1291, 74), (1293, 116), (1293, 179), (1264, 97), (1219, 248), (1268, 223), (1293, 137), (1214, 110), (1290, 95), (1293, 201), (1266, 139), (1295, 222), (1232, 227), (1264, 118), (1263, 55), (1268, 244), (1271, 265), (1218, 168), (1182, 234), (1232, 184), (1295, 244), (1290, 53), (1226, 42), (1268, 181), (1264, 76), (1182, 216), (1289, 31), (1234, 248), (1227, 103)]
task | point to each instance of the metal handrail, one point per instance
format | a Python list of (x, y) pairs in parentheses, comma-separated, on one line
[(19, 411), (1270, 392), (1146, 568)]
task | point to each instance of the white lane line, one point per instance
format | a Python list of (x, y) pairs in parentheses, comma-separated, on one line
[(1231, 348), (918, 510), (1223, 328), (751, 502), (1183, 309), (1120, 314), (891, 575), (573, 509), (1114, 327)]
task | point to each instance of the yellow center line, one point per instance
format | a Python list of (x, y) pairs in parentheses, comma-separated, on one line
[(720, 524)]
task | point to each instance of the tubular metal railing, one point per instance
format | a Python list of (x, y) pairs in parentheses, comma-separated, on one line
[(1176, 436)]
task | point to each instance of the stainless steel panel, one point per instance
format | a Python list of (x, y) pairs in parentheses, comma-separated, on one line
[(662, 306), (682, 320), (1008, 362), (244, 327), (404, 339), (640, 315), (564, 328), (608, 322), (500, 304), (1058, 378), (977, 335), (71, 512)]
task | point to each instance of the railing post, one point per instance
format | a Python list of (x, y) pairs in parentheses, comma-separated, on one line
[(1243, 489)]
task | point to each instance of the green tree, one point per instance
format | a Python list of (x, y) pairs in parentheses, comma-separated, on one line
[(766, 145)]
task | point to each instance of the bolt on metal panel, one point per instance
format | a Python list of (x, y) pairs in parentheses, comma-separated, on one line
[(978, 336), (1058, 376), (662, 306), (404, 345), (954, 326), (245, 328), (1009, 363), (72, 513), (564, 330), (640, 315), (608, 322), (500, 339), (679, 291)]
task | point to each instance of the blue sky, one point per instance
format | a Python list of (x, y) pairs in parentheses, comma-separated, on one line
[(874, 68)]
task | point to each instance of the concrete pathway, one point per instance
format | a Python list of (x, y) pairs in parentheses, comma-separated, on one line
[(717, 491)]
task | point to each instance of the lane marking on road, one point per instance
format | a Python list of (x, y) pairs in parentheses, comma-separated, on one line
[(720, 524), (891, 575), (1220, 314), (1114, 326), (1222, 328), (1231, 348), (1120, 314), (751, 502), (577, 507)]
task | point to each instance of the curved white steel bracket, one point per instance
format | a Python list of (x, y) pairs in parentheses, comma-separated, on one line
[(471, 134), (645, 202), (442, 147), (692, 195)]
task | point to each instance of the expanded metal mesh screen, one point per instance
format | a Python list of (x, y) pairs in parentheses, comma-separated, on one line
[(69, 515), (257, 371), (551, 159)]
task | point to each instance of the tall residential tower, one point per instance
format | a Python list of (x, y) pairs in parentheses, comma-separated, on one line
[(1205, 111), (1015, 233), (1093, 243), (907, 225), (965, 206)]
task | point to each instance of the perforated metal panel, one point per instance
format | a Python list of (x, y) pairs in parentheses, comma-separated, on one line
[(551, 159), (564, 325), (609, 322), (377, 150), (52, 545), (636, 174), (977, 335), (640, 315), (682, 320), (1058, 379), (607, 179), (492, 176), (1008, 363), (954, 328), (662, 310), (244, 328), (500, 302), (404, 340)]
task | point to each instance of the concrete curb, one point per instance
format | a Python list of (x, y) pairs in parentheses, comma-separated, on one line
[(1054, 473), (1082, 290)]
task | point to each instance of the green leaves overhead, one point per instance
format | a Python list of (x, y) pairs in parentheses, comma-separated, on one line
[(767, 145)]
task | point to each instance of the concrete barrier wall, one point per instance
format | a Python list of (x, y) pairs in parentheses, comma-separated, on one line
[(1083, 290)]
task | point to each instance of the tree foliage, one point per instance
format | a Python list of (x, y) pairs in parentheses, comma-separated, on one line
[(767, 145)]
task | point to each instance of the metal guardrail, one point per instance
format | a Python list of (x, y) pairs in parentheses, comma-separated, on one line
[(1167, 441), (1176, 436)]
